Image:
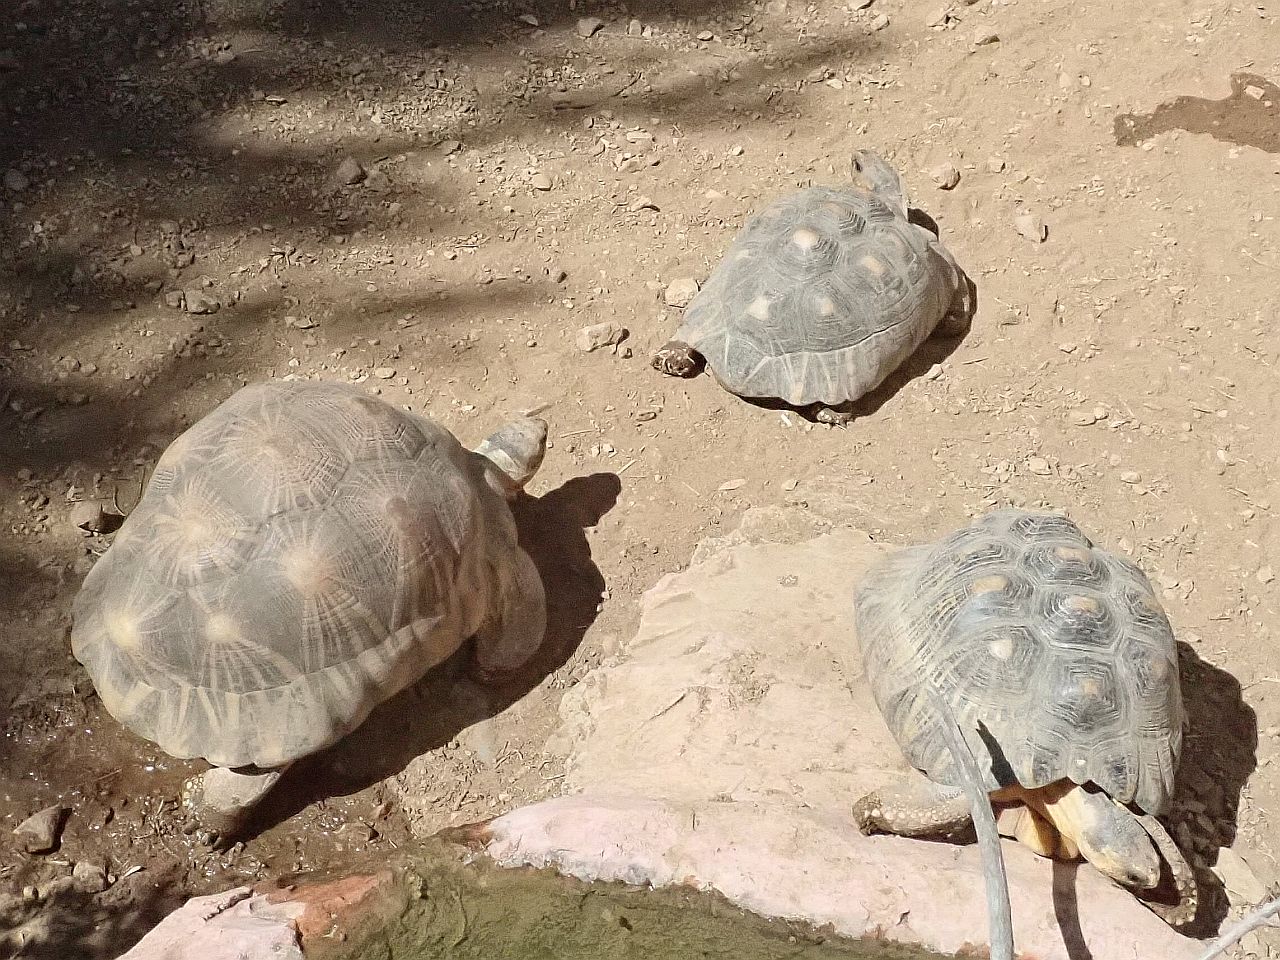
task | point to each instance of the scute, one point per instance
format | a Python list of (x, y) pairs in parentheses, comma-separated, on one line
[(301, 554), (822, 295), (1058, 648)]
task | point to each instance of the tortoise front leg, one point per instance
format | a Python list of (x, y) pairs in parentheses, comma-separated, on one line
[(1184, 879), (915, 806)]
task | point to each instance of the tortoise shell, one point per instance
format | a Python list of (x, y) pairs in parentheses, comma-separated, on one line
[(822, 295), (1058, 649), (300, 554)]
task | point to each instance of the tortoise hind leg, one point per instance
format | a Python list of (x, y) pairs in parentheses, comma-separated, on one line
[(837, 416), (677, 359), (515, 628), (915, 806), (958, 319)]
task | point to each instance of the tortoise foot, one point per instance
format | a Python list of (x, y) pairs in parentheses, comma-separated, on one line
[(833, 416), (676, 359)]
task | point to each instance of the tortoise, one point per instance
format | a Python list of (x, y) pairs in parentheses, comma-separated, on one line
[(822, 295), (1059, 664), (300, 554)]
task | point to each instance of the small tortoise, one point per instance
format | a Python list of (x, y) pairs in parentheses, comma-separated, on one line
[(1060, 665), (301, 554), (822, 295)]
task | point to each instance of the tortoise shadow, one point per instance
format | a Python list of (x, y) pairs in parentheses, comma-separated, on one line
[(1219, 754), (432, 712)]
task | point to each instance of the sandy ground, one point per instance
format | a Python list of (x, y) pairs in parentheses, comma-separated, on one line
[(174, 223)]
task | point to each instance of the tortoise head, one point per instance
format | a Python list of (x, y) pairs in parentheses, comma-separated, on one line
[(873, 172), (515, 453)]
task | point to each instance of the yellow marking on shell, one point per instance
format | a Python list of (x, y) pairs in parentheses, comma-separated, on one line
[(1002, 648), (122, 629), (1159, 668), (873, 264), (1079, 554), (759, 309), (307, 569), (1090, 687), (196, 528), (992, 584), (1083, 604), (805, 238), (826, 307), (742, 254), (1150, 604), (222, 629)]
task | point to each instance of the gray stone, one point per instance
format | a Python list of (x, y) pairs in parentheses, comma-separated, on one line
[(39, 833), (89, 877), (606, 334)]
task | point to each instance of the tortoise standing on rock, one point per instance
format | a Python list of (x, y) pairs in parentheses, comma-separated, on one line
[(822, 296), (301, 554), (1058, 663)]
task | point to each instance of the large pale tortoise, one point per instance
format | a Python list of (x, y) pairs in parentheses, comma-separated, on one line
[(300, 554), (1060, 667), (822, 295)]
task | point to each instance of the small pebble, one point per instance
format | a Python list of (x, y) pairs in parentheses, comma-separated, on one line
[(589, 26), (706, 35), (384, 373), (199, 302), (540, 181), (1265, 574), (92, 517), (680, 291), (1130, 476), (39, 833), (945, 175), (984, 36), (89, 877), (1031, 226), (598, 335), (1039, 466), (349, 172)]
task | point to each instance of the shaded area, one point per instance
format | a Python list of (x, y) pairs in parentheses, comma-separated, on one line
[(66, 923), (1249, 116), (1219, 754)]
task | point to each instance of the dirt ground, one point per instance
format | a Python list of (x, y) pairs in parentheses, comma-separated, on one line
[(175, 221)]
